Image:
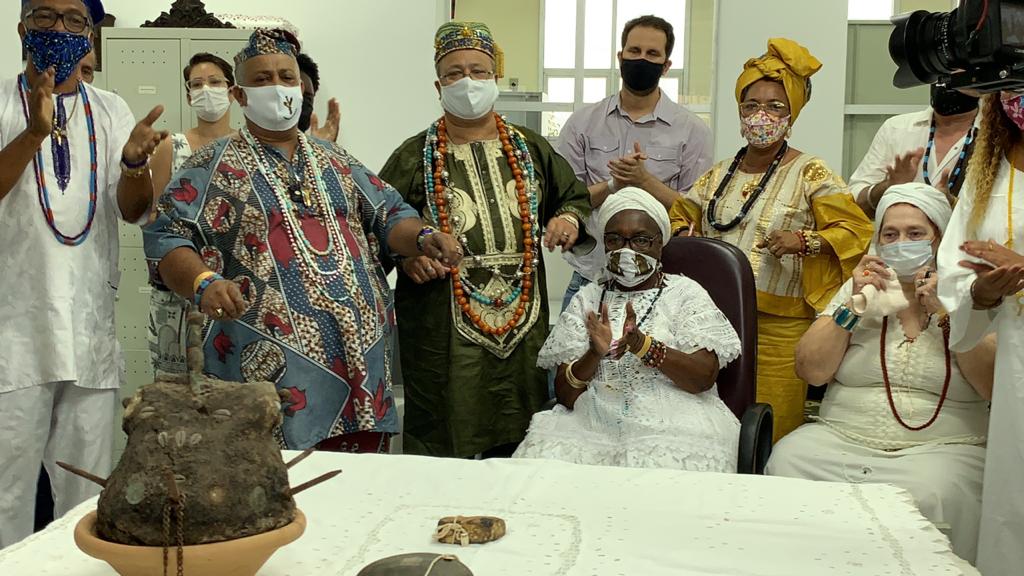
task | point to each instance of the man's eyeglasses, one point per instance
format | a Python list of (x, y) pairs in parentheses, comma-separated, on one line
[(774, 107), (477, 74), (212, 82), (46, 18), (615, 241)]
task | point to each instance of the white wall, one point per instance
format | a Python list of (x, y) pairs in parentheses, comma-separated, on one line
[(744, 27), (375, 56)]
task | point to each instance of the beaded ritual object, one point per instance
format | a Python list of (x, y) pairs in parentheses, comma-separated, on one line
[(44, 196), (439, 196)]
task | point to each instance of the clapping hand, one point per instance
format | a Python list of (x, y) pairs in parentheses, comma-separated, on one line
[(904, 168), (144, 138), (630, 170), (1001, 274), (40, 104), (599, 328), (926, 284), (329, 131)]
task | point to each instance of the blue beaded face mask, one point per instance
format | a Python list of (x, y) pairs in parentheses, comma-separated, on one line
[(59, 50)]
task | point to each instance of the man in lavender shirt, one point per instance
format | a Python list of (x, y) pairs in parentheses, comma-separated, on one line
[(638, 137)]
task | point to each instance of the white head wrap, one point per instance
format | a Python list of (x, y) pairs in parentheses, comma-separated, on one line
[(933, 203), (632, 198)]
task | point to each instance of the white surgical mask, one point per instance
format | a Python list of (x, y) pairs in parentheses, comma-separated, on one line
[(275, 108), (210, 104), (907, 258), (630, 268), (469, 98)]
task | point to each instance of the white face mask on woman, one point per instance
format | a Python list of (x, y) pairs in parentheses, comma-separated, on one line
[(630, 268), (469, 98), (210, 104), (275, 108), (907, 258)]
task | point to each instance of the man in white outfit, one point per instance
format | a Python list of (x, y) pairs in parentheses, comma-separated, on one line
[(71, 164)]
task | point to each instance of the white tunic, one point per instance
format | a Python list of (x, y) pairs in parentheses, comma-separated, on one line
[(57, 303), (632, 415), (1002, 523)]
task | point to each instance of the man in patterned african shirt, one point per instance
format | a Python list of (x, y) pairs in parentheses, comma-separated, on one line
[(283, 239), (469, 336)]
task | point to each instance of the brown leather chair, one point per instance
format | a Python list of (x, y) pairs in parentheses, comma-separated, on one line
[(723, 270)]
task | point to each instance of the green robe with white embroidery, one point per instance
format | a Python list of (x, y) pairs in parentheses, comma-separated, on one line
[(466, 391)]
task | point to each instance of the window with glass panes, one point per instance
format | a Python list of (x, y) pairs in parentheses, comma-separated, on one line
[(580, 45)]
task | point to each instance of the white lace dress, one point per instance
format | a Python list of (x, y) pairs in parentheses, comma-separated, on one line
[(632, 415)]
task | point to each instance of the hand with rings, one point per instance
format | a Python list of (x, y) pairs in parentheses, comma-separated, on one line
[(561, 232), (781, 242), (926, 288), (222, 300), (871, 270)]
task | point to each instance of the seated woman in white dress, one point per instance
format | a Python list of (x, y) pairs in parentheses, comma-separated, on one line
[(637, 358), (900, 407)]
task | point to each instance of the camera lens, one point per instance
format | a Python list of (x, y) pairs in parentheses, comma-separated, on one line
[(924, 47)]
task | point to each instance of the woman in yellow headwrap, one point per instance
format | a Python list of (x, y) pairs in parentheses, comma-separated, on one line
[(799, 226)]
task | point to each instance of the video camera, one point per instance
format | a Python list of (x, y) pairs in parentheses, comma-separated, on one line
[(978, 45)]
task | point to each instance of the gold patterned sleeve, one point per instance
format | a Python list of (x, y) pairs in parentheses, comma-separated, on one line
[(840, 223), (688, 209)]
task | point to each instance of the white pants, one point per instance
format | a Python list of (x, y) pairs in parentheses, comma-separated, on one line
[(46, 424)]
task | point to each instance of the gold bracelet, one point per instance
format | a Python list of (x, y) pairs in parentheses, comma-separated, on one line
[(137, 172), (199, 280), (645, 348), (572, 379), (813, 240)]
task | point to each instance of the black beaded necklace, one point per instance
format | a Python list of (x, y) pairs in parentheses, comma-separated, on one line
[(724, 184)]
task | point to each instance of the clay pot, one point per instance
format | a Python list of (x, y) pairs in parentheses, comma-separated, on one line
[(240, 557)]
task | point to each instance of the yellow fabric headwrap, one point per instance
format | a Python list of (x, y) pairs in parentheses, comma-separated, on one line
[(787, 62)]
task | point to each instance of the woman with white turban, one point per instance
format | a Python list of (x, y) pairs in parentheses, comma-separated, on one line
[(637, 357), (901, 407)]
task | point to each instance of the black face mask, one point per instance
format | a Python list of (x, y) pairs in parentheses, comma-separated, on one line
[(948, 102), (306, 117), (641, 76)]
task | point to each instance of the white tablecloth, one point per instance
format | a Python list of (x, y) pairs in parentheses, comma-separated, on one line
[(576, 520)]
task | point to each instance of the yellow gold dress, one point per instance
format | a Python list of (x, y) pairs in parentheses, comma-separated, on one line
[(803, 194)]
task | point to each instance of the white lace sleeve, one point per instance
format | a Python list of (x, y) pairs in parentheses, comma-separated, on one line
[(569, 340), (695, 323), (841, 297)]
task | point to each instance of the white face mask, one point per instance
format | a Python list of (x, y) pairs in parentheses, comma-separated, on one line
[(275, 108), (468, 98), (907, 258), (630, 268), (210, 104)]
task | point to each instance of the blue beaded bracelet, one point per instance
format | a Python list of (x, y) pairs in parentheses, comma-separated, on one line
[(203, 285), (845, 318)]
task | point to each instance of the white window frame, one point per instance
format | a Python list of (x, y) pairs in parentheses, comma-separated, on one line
[(579, 73)]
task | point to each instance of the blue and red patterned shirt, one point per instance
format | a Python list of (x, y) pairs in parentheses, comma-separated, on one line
[(320, 316)]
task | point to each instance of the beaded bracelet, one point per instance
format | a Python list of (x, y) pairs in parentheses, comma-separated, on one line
[(655, 356), (803, 242), (424, 232), (203, 285)]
